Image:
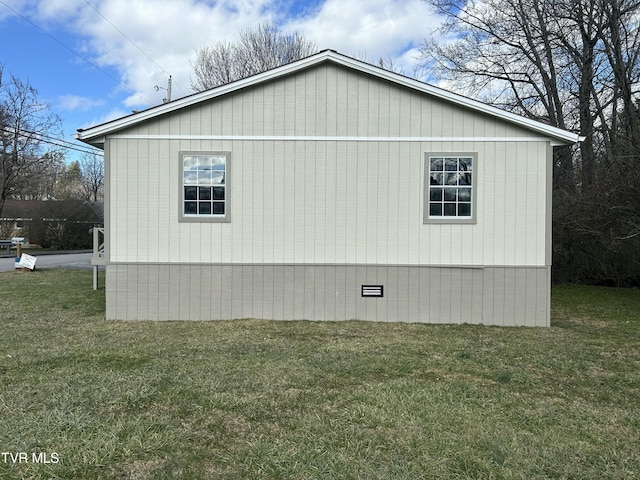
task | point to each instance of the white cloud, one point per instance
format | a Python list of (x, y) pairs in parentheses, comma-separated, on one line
[(76, 102), (370, 29), (153, 39), (107, 117), (59, 10)]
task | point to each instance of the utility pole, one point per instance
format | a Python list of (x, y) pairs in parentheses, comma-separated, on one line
[(167, 99)]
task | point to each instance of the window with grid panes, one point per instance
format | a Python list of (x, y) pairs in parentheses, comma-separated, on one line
[(204, 186), (449, 194)]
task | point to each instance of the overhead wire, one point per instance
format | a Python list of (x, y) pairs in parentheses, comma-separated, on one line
[(126, 37), (64, 143), (74, 52), (58, 142)]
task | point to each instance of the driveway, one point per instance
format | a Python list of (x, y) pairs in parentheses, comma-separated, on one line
[(69, 260)]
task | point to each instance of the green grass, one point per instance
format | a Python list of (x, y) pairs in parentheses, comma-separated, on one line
[(301, 400)]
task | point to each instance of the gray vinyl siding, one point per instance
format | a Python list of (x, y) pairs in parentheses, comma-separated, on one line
[(492, 295)]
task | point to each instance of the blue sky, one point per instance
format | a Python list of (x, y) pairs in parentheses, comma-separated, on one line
[(96, 60)]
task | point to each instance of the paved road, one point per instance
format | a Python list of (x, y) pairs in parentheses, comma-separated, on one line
[(71, 260)]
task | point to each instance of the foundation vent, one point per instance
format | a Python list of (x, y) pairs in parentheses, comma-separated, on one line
[(372, 290)]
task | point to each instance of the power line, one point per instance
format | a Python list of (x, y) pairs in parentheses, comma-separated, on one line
[(58, 142), (128, 39), (74, 52), (68, 145), (125, 36)]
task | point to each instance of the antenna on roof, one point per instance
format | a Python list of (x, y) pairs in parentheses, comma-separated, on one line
[(167, 99)]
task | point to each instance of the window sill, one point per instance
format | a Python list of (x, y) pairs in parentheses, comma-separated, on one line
[(450, 220), (204, 219)]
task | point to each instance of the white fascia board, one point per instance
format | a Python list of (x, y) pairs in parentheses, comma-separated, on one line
[(89, 135), (95, 141)]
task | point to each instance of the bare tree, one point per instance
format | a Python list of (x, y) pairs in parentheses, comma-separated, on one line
[(92, 177), (69, 185), (391, 64), (259, 49), (506, 53), (621, 44), (37, 181), (574, 64), (25, 121), (571, 63)]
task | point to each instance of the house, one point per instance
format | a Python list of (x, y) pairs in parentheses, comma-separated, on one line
[(328, 189), (62, 224)]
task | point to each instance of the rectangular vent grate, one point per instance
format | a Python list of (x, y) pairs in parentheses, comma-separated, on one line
[(372, 291)]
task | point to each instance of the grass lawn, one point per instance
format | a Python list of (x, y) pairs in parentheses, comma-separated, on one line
[(300, 400)]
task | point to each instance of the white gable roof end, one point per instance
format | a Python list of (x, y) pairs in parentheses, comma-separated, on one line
[(95, 135)]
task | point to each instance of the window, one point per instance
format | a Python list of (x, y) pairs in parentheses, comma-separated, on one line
[(205, 191), (449, 188)]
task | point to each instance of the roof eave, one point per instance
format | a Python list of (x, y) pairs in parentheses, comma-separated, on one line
[(548, 130), (95, 135), (87, 135)]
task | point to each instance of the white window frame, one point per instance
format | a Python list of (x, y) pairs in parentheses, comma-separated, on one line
[(428, 217), (184, 172)]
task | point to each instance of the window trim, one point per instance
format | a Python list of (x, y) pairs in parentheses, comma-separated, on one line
[(426, 219), (226, 218)]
